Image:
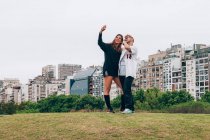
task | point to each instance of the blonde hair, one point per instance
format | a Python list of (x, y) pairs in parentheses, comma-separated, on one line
[(131, 38)]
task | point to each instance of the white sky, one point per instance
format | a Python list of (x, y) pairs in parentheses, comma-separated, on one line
[(35, 33)]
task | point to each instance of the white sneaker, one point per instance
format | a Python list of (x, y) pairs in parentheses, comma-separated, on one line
[(127, 111)]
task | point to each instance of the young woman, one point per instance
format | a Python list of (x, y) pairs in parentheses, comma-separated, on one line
[(112, 52), (127, 73)]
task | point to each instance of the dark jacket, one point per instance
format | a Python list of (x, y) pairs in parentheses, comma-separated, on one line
[(112, 57)]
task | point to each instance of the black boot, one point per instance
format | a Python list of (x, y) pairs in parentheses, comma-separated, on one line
[(107, 100)]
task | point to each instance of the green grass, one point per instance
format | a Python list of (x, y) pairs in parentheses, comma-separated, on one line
[(101, 125)]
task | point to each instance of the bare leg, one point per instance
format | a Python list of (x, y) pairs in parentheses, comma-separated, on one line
[(117, 81), (107, 84)]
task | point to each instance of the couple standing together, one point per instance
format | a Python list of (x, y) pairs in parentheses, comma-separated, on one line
[(120, 66)]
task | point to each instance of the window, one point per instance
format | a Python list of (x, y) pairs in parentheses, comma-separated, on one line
[(206, 83), (202, 72), (197, 83), (201, 78)]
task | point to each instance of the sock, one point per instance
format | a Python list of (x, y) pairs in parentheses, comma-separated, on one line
[(107, 100)]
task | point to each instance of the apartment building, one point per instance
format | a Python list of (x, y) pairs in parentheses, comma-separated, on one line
[(49, 71), (151, 72), (65, 70)]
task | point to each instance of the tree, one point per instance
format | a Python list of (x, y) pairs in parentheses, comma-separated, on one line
[(139, 96), (174, 97), (206, 97)]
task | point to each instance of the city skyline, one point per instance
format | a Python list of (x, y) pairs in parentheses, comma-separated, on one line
[(38, 33)]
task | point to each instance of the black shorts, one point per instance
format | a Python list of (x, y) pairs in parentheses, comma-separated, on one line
[(110, 73)]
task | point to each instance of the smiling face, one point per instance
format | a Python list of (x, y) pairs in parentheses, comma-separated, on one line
[(118, 39), (129, 39)]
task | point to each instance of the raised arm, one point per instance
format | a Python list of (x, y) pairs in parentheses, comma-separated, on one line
[(101, 44), (129, 48)]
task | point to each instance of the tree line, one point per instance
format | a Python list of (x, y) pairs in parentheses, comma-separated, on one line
[(147, 100)]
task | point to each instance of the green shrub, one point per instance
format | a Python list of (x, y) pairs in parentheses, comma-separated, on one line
[(190, 107), (61, 103), (139, 96), (206, 97), (8, 108), (172, 98), (142, 106), (116, 102), (89, 102), (27, 106)]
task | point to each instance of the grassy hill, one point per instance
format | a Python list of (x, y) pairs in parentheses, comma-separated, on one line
[(101, 125)]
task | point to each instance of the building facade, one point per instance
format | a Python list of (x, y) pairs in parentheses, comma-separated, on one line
[(65, 70), (49, 71)]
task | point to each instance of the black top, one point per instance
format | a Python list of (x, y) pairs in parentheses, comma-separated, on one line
[(112, 57)]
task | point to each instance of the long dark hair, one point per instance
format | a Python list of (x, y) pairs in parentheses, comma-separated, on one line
[(117, 47)]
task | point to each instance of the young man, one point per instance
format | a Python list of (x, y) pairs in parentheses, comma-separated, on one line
[(127, 73)]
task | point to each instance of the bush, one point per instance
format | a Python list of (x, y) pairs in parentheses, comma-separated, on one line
[(8, 108), (152, 96), (61, 103), (30, 106), (190, 107), (116, 102), (142, 106), (175, 97), (206, 97), (90, 102), (139, 96)]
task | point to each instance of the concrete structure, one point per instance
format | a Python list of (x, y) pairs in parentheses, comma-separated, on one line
[(11, 82), (24, 93), (172, 68), (10, 91), (65, 70), (151, 72), (202, 57), (49, 71), (195, 70), (40, 87), (11, 94), (188, 72), (67, 84)]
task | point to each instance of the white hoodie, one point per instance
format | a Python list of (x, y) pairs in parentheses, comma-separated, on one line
[(130, 59)]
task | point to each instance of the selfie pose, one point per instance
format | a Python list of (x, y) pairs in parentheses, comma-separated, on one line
[(112, 52), (127, 73)]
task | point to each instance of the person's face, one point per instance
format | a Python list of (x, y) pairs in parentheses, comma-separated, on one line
[(128, 38), (118, 39)]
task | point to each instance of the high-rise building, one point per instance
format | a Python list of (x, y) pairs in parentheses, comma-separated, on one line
[(202, 55), (172, 68), (10, 91), (195, 70), (11, 82), (40, 87), (65, 70), (151, 72), (49, 71), (24, 93)]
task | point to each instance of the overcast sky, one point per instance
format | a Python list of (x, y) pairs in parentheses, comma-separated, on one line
[(35, 33)]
